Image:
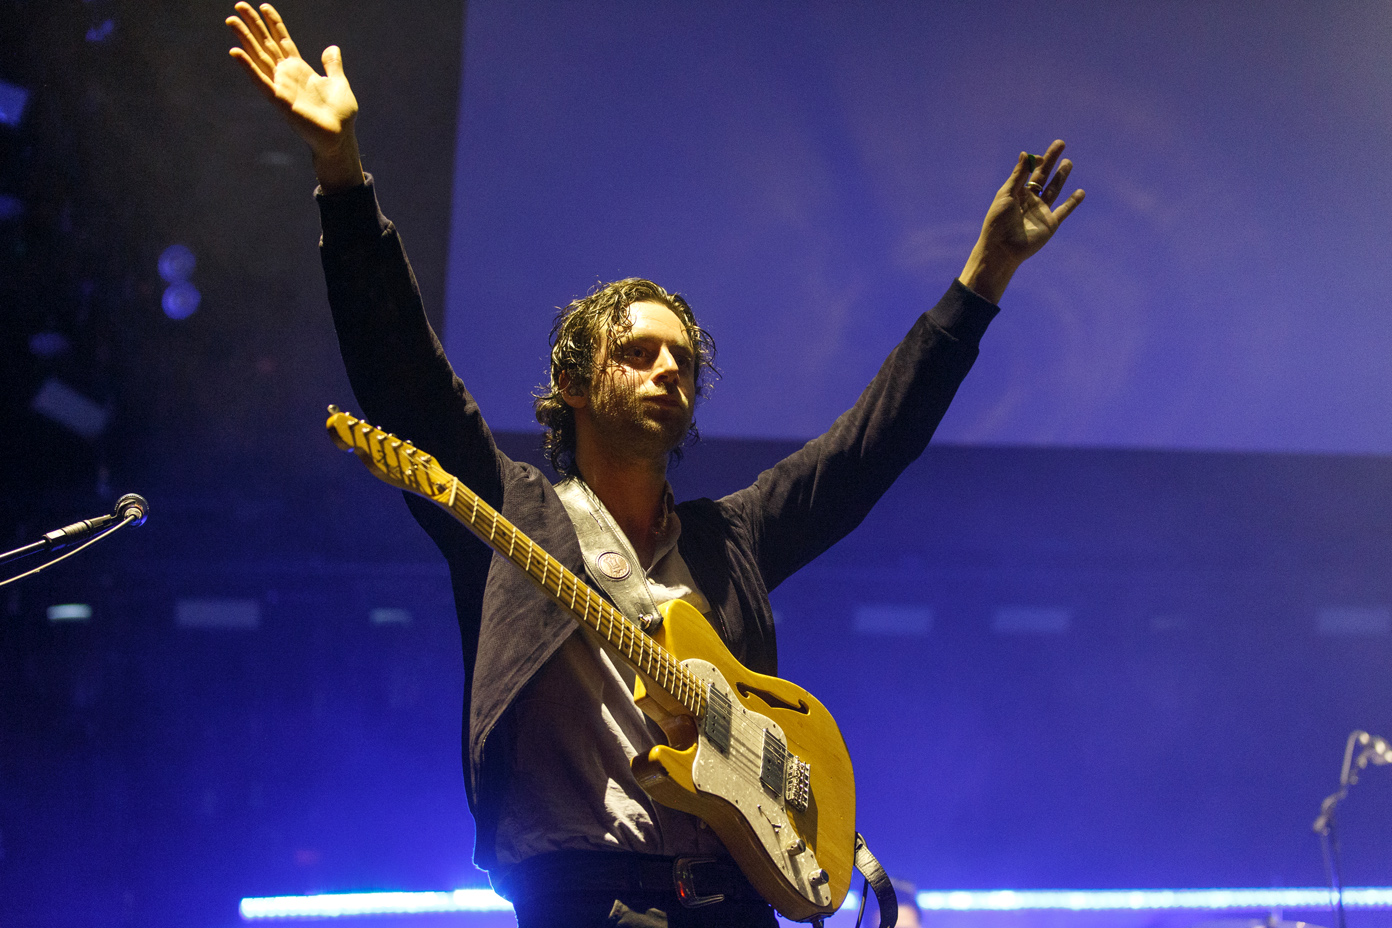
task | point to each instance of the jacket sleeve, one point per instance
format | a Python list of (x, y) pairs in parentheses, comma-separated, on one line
[(813, 498), (396, 365)]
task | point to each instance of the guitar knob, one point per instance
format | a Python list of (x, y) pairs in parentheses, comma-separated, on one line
[(817, 877), (797, 846)]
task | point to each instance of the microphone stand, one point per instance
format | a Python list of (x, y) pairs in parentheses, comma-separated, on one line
[(1378, 752), (25, 551), (131, 509)]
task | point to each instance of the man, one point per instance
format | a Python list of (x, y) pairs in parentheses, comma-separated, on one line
[(562, 826)]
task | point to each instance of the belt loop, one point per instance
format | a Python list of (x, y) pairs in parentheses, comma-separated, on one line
[(686, 885)]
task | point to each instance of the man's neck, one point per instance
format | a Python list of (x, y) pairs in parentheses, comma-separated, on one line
[(634, 492)]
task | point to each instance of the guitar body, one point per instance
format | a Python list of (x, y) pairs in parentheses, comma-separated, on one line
[(800, 854)]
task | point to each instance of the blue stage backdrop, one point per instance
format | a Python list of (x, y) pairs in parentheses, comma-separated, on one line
[(812, 175), (1110, 632)]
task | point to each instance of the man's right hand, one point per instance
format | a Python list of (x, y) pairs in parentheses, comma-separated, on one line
[(321, 109)]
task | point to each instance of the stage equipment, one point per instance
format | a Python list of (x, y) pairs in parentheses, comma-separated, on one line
[(1375, 751), (131, 509)]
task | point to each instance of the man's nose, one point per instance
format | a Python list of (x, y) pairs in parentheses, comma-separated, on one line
[(665, 366)]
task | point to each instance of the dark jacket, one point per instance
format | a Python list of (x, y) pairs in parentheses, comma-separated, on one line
[(738, 548)]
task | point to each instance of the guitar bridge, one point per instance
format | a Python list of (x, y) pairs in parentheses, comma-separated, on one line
[(797, 784), (784, 774)]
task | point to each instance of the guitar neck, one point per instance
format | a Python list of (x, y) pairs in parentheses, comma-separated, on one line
[(570, 592), (402, 465)]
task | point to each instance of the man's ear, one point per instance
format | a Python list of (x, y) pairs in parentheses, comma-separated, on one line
[(571, 392)]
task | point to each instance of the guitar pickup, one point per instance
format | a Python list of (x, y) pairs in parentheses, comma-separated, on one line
[(717, 720)]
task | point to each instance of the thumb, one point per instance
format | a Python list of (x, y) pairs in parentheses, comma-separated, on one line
[(333, 61)]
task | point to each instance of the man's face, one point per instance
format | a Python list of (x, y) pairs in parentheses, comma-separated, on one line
[(643, 396)]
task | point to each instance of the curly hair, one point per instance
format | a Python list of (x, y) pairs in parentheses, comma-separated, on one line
[(580, 330)]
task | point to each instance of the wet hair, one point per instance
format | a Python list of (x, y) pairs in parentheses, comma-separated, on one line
[(580, 331)]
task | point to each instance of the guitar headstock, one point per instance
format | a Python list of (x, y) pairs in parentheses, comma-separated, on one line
[(389, 458)]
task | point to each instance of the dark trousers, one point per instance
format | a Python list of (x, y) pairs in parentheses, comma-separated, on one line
[(640, 912), (588, 889)]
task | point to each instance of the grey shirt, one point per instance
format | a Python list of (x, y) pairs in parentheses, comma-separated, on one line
[(572, 733)]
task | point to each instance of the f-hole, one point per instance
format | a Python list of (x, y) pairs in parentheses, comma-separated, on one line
[(771, 700)]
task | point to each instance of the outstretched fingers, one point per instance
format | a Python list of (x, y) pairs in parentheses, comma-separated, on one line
[(1052, 189), (258, 54), (278, 32), (1045, 166), (1068, 205)]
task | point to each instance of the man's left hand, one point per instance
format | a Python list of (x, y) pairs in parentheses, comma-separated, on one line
[(1022, 218)]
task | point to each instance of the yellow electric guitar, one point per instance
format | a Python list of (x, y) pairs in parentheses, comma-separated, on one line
[(758, 759)]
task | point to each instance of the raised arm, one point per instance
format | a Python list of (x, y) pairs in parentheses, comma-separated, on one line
[(815, 496), (320, 108), (1020, 220), (399, 373)]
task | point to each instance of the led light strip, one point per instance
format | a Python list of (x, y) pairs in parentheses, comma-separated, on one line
[(1000, 900), (1005, 900), (343, 904)]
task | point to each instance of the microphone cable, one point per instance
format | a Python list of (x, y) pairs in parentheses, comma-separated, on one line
[(130, 508)]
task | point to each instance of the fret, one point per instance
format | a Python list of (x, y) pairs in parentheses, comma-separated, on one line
[(527, 566), (454, 491)]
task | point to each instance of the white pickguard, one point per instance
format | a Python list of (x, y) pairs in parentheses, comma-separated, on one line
[(734, 777)]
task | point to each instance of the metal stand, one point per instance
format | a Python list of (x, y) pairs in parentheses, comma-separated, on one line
[(1375, 751)]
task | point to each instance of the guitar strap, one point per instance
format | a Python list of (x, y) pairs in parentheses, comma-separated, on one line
[(875, 879), (613, 565), (609, 558)]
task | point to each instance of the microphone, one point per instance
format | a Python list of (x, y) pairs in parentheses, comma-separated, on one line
[(131, 507)]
